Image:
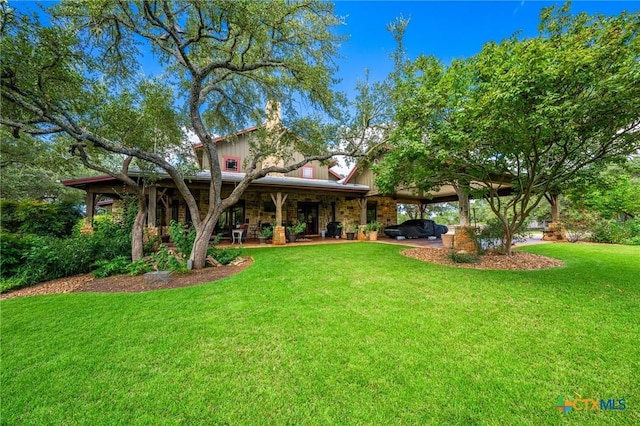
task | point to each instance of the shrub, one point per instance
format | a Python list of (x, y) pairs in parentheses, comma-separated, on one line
[(491, 237), (616, 232), (163, 260), (107, 268), (13, 249), (55, 219), (182, 237), (463, 257), (578, 224), (225, 255), (138, 267)]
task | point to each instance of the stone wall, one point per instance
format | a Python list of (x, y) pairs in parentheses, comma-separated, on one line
[(347, 207)]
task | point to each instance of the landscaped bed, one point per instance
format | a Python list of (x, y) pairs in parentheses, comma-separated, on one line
[(340, 334), (127, 283)]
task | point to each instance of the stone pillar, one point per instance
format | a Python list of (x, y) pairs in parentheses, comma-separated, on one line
[(88, 223), (279, 238), (464, 240), (555, 232), (361, 235)]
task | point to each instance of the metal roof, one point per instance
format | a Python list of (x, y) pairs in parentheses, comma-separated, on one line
[(229, 177)]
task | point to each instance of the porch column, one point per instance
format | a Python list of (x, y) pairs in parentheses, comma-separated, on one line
[(463, 205), (151, 211), (555, 231), (363, 219), (152, 230), (91, 202), (279, 237)]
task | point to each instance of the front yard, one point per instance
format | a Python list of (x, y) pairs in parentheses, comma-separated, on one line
[(340, 334)]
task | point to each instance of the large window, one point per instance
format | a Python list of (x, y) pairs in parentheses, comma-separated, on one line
[(231, 164)]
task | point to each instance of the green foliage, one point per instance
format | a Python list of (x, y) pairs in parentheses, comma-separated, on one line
[(350, 226), (55, 219), (32, 259), (182, 237), (224, 255), (611, 193), (138, 267), (463, 257), (534, 113), (266, 232), (616, 232), (116, 266), (491, 237), (297, 228), (13, 248), (372, 226), (578, 224), (163, 260)]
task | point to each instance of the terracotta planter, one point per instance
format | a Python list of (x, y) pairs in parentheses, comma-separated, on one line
[(447, 240), (373, 235)]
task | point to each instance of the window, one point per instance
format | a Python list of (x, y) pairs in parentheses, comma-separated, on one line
[(231, 164), (307, 172)]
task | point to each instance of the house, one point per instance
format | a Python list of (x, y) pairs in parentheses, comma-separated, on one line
[(314, 194)]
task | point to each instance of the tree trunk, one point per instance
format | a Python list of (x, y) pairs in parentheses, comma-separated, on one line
[(198, 256), (137, 233), (506, 241), (555, 207), (463, 205)]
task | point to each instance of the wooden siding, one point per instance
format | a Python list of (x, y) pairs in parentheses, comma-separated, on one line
[(239, 148)]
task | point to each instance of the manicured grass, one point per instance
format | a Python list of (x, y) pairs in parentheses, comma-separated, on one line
[(336, 334)]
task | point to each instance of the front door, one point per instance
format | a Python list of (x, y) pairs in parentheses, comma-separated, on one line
[(308, 213)]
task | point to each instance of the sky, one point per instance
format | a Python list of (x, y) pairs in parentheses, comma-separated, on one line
[(446, 29)]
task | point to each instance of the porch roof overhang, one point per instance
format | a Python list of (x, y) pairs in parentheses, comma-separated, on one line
[(445, 194), (275, 182)]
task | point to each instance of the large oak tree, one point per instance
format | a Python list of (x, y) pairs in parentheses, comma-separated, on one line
[(223, 61)]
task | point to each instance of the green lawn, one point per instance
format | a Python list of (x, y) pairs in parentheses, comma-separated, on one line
[(336, 334)]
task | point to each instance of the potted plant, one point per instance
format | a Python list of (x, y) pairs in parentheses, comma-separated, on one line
[(371, 230), (294, 230), (264, 234), (350, 229)]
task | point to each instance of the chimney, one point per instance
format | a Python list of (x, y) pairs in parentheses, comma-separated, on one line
[(274, 115)]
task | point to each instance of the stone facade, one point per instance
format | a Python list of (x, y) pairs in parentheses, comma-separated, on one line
[(347, 207), (463, 239)]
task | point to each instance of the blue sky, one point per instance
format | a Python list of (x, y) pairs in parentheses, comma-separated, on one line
[(445, 29)]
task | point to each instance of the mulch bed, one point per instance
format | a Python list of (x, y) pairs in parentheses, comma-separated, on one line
[(126, 283), (519, 261)]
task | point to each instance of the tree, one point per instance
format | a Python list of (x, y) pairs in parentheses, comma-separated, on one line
[(612, 194), (223, 59), (31, 169), (528, 114)]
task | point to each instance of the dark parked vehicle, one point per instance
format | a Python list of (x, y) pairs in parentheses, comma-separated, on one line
[(416, 228)]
